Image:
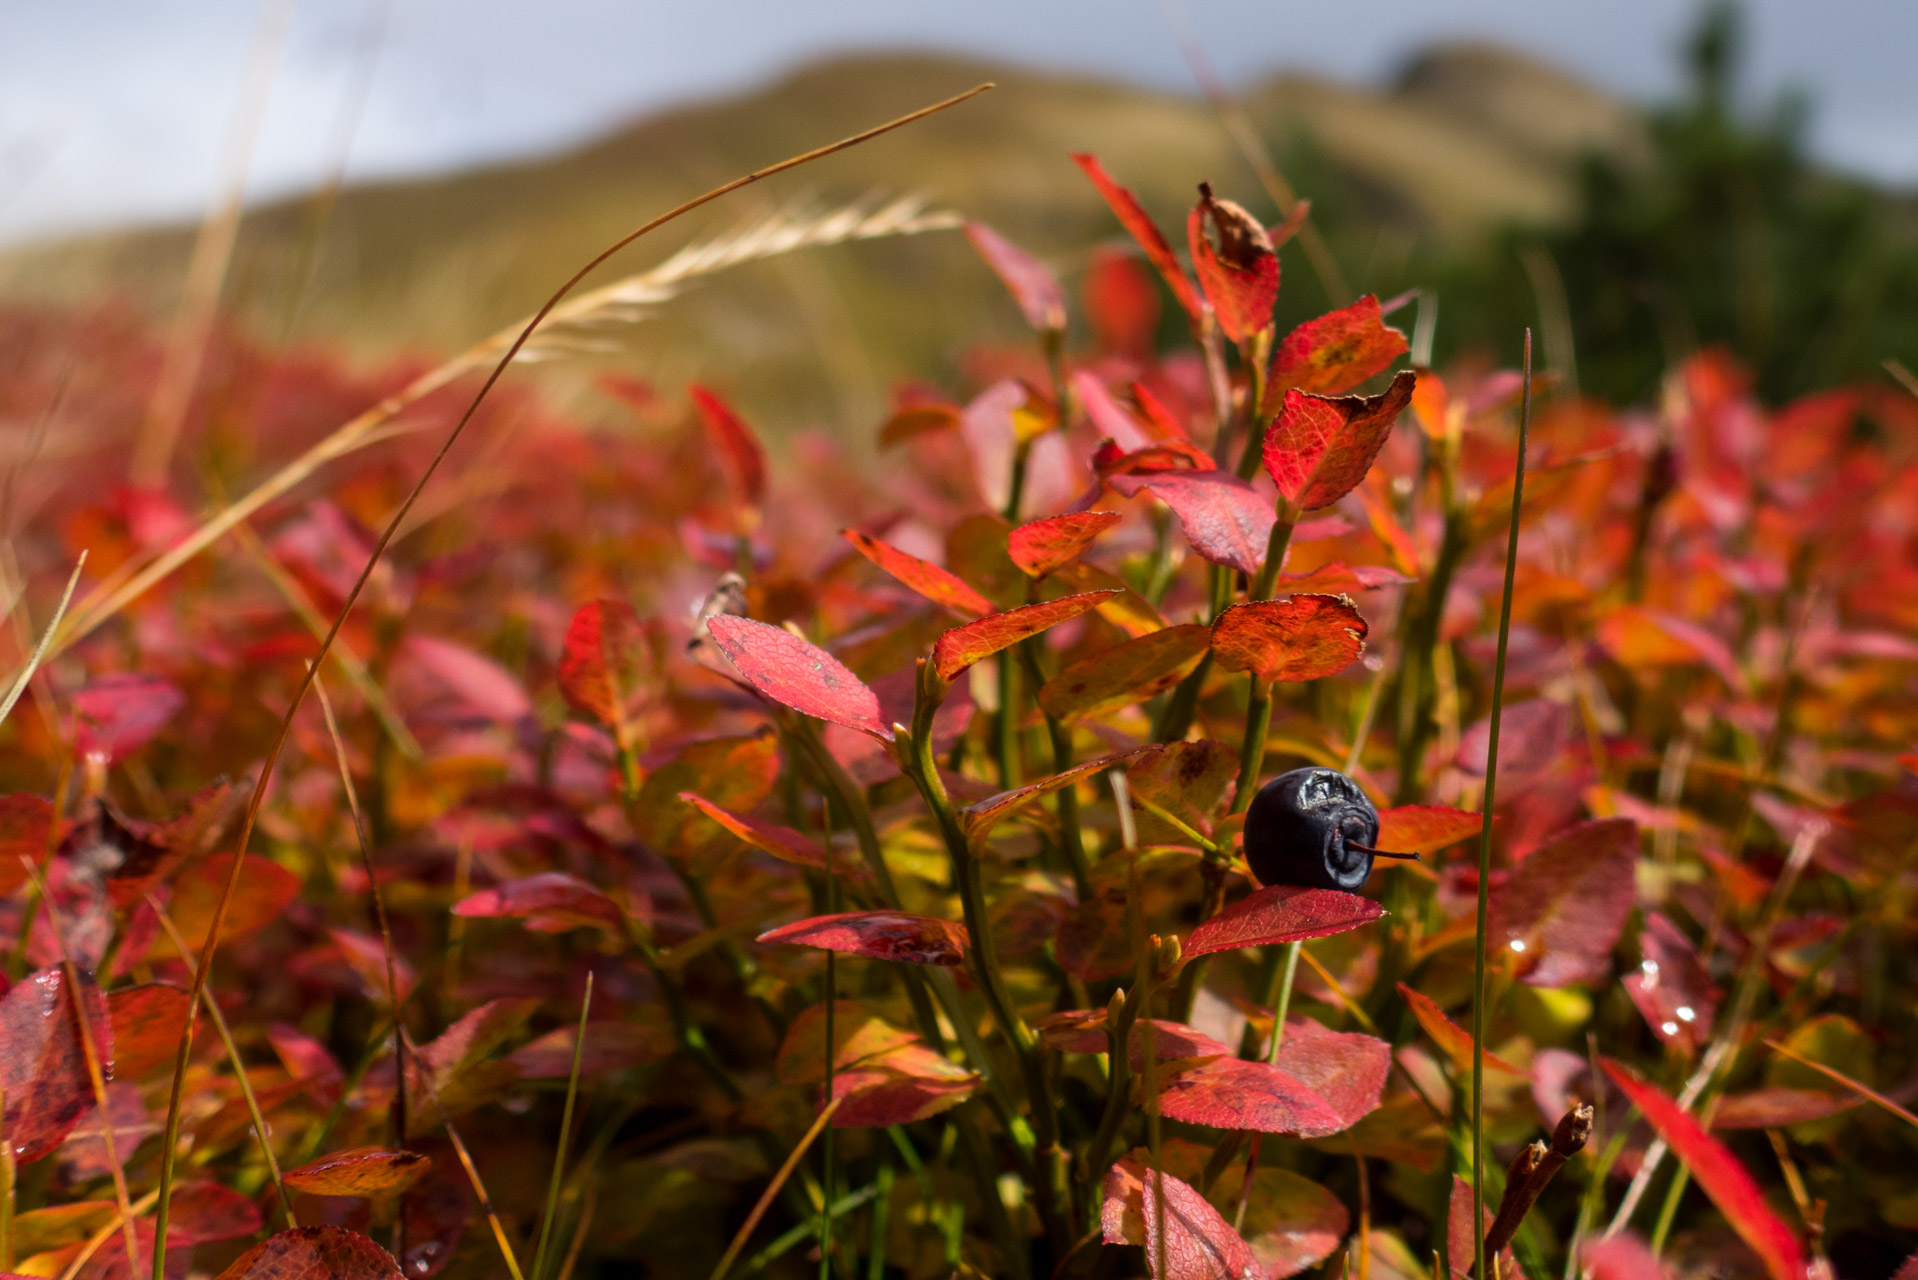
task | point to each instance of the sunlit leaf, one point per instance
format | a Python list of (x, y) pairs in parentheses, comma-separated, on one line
[(899, 1086), (1237, 269), (1426, 828), (1671, 988), (1041, 546), (1224, 519), (1333, 353), (1319, 448), (1297, 638), (117, 714), (359, 1171), (937, 585), (1133, 217), (1231, 1093), (962, 646), (737, 450), (1199, 1243), (979, 819), (1281, 913), (1347, 1069), (878, 935), (1029, 281), (1563, 908), (1453, 1040), (857, 1034), (799, 675), (783, 843), (601, 662), (314, 1253)]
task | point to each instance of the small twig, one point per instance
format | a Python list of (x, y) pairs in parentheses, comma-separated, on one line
[(1535, 1166)]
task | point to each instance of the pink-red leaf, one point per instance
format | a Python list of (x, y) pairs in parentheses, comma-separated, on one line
[(1291, 1223), (1223, 518), (940, 586), (1029, 281), (898, 1086), (1319, 448), (1281, 913), (798, 674), (118, 714), (1297, 638), (1671, 988), (857, 1034), (1775, 1107), (1347, 1069), (314, 1253), (43, 1068), (1461, 1242), (550, 902), (1126, 673), (1231, 1093), (1043, 545), (1426, 828), (610, 1046), (1625, 1256), (962, 646), (1332, 354), (1133, 217), (600, 663), (1199, 1244), (1715, 1169), (358, 1171), (734, 445), (1240, 273), (1562, 910), (879, 935)]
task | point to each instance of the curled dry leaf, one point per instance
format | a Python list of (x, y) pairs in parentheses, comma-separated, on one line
[(1281, 913), (1133, 217), (601, 662), (797, 674), (1041, 546), (938, 585), (1319, 448), (879, 935), (1029, 281), (1222, 516), (960, 647), (1235, 264), (1718, 1172), (314, 1253), (1199, 1243), (550, 902), (1297, 638), (359, 1171), (1125, 674), (1332, 353)]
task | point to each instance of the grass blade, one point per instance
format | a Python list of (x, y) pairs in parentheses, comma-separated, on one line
[(46, 637), (565, 1135), (1485, 831)]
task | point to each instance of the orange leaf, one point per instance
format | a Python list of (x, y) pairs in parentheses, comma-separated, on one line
[(1454, 1040), (1425, 828), (928, 579), (960, 647), (359, 1171), (1126, 673), (1319, 448), (1043, 545), (1297, 638), (1333, 353), (1135, 220)]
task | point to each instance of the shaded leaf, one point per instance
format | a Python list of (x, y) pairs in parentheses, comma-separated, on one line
[(1029, 281), (600, 664), (474, 1035), (1125, 674), (734, 444), (551, 902), (1333, 353), (878, 935), (117, 714), (1199, 1244), (148, 1021), (1776, 1107), (796, 674), (1563, 908), (1297, 638), (979, 819), (938, 585), (1041, 546), (359, 1171), (610, 1046), (960, 647), (1239, 273), (1291, 1223), (1281, 913), (1337, 579), (1461, 1242), (1621, 1257), (1671, 988), (1222, 516), (1319, 448), (314, 1253), (917, 419), (1426, 828), (264, 892), (1133, 217), (783, 843), (1715, 1169), (1530, 736), (26, 830), (857, 1034)]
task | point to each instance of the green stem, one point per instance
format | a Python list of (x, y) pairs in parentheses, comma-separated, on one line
[(1281, 1004), (1485, 830), (565, 1137)]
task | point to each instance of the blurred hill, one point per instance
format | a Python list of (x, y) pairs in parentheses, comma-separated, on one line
[(1470, 139)]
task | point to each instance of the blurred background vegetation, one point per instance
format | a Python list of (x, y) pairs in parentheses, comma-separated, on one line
[(1511, 192)]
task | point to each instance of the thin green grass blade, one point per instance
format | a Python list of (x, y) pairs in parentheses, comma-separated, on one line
[(46, 637), (565, 1137)]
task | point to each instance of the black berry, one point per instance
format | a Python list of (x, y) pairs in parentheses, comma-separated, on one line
[(1312, 827)]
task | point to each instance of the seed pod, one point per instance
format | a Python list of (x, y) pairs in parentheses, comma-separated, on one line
[(1312, 827)]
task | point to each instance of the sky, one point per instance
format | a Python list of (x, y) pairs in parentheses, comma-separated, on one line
[(114, 111)]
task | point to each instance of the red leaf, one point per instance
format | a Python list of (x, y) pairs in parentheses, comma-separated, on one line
[(857, 1034), (359, 1171), (1281, 913), (203, 1212), (1319, 448), (1043, 545), (1333, 353), (1199, 1244), (1637, 637), (1240, 274), (1126, 673), (1291, 1223), (147, 1022), (1222, 516), (738, 451), (1231, 1093), (118, 714), (1672, 988), (599, 666), (1139, 224), (1029, 281), (1531, 735), (1297, 638), (1730, 1187), (475, 1035), (1345, 1068), (878, 935), (551, 902), (26, 823), (960, 647), (982, 817), (1113, 423), (1563, 908), (264, 892), (314, 1253), (899, 1086), (799, 675), (1453, 1040), (1426, 828), (1085, 1031), (783, 843), (43, 1066), (928, 579), (1121, 303), (610, 1046), (1624, 1257)]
